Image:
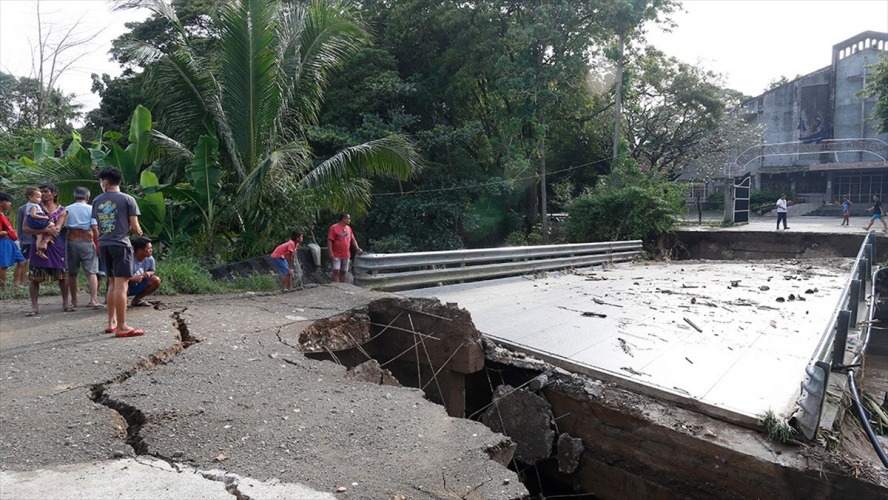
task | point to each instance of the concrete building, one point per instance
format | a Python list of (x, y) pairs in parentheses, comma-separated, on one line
[(818, 142)]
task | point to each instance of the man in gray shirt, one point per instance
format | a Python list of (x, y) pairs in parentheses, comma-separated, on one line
[(117, 216)]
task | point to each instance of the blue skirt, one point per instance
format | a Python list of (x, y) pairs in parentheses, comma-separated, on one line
[(9, 253)]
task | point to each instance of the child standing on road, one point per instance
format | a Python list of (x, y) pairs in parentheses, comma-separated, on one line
[(846, 210), (37, 219), (285, 258)]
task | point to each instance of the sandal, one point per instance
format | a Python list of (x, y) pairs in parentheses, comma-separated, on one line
[(110, 329), (68, 309), (131, 333), (32, 313)]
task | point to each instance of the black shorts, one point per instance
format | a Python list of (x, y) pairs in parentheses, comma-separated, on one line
[(118, 261)]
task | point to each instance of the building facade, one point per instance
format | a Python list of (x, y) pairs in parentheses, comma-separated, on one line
[(818, 142)]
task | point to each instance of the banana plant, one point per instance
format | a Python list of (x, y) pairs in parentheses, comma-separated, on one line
[(199, 195), (78, 166)]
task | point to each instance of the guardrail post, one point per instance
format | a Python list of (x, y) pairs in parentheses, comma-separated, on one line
[(870, 257), (862, 271), (854, 300), (841, 339)]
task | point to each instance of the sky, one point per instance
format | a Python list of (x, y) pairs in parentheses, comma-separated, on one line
[(755, 42), (750, 42)]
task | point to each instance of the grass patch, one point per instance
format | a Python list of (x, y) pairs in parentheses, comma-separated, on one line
[(179, 275), (775, 428)]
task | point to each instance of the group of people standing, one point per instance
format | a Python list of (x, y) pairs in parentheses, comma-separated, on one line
[(57, 241)]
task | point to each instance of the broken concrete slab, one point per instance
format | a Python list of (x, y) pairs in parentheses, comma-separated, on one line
[(569, 451), (371, 372), (526, 418), (130, 479)]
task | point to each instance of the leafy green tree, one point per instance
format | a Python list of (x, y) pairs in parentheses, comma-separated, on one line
[(259, 93), (20, 99), (877, 87), (677, 116), (119, 97)]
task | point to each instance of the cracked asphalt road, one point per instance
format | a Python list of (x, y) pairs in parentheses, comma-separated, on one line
[(239, 400)]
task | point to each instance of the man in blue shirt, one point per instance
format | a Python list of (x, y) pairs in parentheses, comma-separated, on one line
[(83, 236)]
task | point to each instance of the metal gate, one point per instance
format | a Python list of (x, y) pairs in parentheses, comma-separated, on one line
[(741, 200)]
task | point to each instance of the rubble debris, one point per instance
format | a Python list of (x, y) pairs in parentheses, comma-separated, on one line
[(502, 452), (634, 372), (538, 382), (591, 314), (370, 371), (693, 325), (336, 333), (569, 451), (526, 418), (625, 346), (603, 303)]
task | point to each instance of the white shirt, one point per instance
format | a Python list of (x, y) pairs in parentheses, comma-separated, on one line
[(781, 206)]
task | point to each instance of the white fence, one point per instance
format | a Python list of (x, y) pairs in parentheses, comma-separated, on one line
[(401, 271)]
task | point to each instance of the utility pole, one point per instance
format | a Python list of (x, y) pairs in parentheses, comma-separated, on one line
[(619, 98)]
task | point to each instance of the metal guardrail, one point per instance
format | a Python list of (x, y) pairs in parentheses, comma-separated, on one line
[(857, 279), (829, 355), (400, 271)]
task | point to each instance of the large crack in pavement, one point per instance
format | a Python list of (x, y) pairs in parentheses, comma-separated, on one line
[(133, 416)]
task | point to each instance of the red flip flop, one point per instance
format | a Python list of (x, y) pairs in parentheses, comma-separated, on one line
[(131, 333), (110, 329)]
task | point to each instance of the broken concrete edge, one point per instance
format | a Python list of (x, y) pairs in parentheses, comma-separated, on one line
[(676, 398), (639, 412), (135, 477)]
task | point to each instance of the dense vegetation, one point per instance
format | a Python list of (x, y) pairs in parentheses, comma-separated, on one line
[(438, 125)]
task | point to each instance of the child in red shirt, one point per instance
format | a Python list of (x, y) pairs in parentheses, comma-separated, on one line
[(284, 258)]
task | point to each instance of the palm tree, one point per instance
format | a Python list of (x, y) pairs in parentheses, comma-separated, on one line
[(258, 95)]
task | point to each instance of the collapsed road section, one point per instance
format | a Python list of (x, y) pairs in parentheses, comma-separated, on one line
[(576, 434)]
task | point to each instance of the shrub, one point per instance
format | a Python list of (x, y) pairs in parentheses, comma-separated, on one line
[(516, 239), (627, 205)]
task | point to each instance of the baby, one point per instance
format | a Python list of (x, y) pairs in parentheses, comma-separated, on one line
[(38, 220)]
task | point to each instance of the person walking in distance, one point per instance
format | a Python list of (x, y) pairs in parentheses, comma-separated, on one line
[(117, 215), (878, 214), (340, 240), (781, 211), (846, 210)]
